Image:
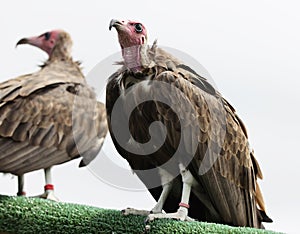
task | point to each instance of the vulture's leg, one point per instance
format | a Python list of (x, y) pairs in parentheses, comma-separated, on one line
[(182, 212), (166, 180), (49, 188), (21, 186)]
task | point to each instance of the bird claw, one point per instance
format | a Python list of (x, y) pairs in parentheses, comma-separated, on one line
[(132, 211), (177, 216), (49, 195)]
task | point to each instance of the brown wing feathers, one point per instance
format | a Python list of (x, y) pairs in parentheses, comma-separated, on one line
[(236, 169), (37, 113)]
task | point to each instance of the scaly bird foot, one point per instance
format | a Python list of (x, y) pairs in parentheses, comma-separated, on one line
[(179, 215), (132, 211), (49, 195)]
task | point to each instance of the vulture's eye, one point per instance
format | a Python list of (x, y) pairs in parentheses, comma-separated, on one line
[(138, 28), (47, 36)]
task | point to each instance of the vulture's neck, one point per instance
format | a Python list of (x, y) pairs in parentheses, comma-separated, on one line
[(62, 53), (63, 61), (136, 57), (60, 67)]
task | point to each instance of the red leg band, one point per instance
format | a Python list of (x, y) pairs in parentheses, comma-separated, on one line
[(49, 187), (184, 205), (21, 193)]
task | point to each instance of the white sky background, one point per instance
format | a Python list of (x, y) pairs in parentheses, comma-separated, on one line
[(250, 49)]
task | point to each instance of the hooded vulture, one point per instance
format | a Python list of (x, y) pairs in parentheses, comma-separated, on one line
[(51, 116), (181, 137)]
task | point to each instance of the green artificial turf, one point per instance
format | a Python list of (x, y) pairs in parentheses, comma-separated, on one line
[(34, 215)]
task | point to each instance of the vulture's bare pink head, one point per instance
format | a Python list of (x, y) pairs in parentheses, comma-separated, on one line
[(131, 33), (50, 41)]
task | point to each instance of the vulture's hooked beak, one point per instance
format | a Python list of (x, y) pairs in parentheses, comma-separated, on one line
[(114, 23), (22, 41), (35, 41)]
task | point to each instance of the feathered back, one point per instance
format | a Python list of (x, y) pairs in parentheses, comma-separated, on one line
[(49, 117)]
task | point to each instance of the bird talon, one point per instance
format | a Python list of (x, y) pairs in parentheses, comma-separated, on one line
[(175, 216), (48, 195), (132, 211), (149, 218), (127, 211), (147, 228)]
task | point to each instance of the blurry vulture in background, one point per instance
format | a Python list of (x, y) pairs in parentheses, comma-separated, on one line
[(204, 166), (51, 116)]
